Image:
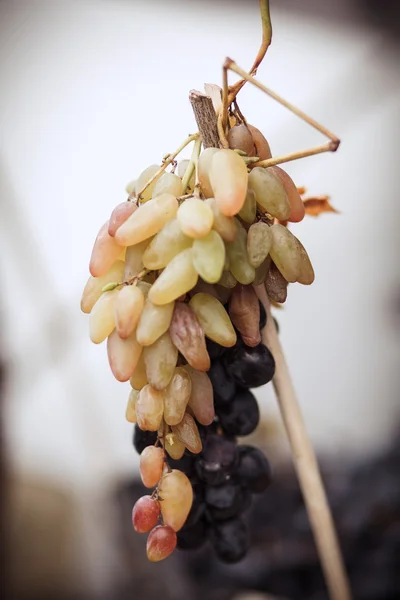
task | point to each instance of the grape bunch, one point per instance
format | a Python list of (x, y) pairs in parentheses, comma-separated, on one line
[(172, 290)]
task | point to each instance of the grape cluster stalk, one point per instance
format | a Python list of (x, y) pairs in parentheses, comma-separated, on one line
[(172, 289)]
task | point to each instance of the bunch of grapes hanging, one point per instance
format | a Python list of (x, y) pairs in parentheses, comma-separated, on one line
[(174, 274)]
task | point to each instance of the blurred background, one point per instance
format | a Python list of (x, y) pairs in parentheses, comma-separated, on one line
[(92, 92)]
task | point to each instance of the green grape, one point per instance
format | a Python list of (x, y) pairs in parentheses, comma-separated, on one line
[(248, 210), (102, 320), (154, 322), (160, 360), (227, 280), (134, 259), (94, 285), (285, 252), (225, 226), (174, 446), (270, 192), (203, 169), (195, 217), (178, 277), (209, 257), (177, 494), (143, 178), (148, 220), (149, 408), (214, 319), (259, 240), (306, 272), (128, 307), (139, 378), (169, 183), (165, 245), (240, 266)]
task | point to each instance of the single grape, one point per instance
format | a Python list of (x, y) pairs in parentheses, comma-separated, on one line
[(228, 178), (188, 336), (176, 492), (241, 416), (130, 413), (203, 167), (169, 183), (191, 538), (275, 284), (188, 433), (217, 460), (166, 245), (149, 408), (160, 543), (248, 211), (270, 192), (253, 471), (123, 355), (176, 396), (201, 401), (223, 385), (230, 540), (143, 178), (297, 210), (209, 257), (160, 360), (195, 218), (148, 220), (139, 378), (285, 252), (94, 285), (142, 439), (145, 514), (223, 225), (101, 319), (306, 274), (261, 271), (259, 240), (134, 259), (106, 251), (174, 446), (245, 314), (263, 151), (128, 307), (240, 137), (240, 266), (249, 367), (213, 319), (119, 215), (154, 322), (177, 279), (151, 465)]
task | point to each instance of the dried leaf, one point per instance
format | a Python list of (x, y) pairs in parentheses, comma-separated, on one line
[(317, 205)]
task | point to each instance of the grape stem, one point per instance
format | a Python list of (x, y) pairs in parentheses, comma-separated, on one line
[(192, 165), (167, 160), (306, 464)]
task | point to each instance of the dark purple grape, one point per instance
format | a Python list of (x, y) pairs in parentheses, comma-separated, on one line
[(206, 430), (190, 538), (230, 540), (241, 416), (249, 367), (226, 501), (142, 439), (254, 471), (217, 460), (223, 385), (263, 316), (215, 351)]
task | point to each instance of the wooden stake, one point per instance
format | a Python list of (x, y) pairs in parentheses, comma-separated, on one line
[(306, 465)]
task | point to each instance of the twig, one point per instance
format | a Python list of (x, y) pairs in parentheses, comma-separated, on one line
[(306, 465), (206, 118)]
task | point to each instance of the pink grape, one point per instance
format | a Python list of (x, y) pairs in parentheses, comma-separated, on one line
[(119, 215), (151, 465), (160, 543), (145, 514), (105, 252)]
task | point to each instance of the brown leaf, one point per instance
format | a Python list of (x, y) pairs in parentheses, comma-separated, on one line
[(317, 205)]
